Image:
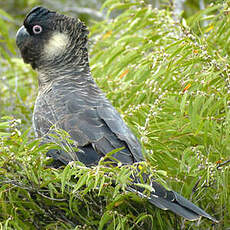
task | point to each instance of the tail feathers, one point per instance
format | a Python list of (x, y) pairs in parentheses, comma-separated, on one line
[(186, 204), (170, 200), (174, 207)]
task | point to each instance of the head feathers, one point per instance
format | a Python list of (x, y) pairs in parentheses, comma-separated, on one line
[(62, 40)]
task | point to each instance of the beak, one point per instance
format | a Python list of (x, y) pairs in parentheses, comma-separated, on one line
[(21, 35)]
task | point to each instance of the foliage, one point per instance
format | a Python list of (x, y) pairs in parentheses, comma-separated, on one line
[(170, 82)]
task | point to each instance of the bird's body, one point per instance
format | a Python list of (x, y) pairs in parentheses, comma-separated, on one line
[(69, 99), (78, 106)]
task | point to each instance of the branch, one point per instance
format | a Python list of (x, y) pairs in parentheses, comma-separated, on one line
[(222, 164)]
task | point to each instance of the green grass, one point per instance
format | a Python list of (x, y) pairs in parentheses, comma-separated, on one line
[(170, 81)]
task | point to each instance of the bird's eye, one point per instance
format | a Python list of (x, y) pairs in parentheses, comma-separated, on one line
[(37, 29)]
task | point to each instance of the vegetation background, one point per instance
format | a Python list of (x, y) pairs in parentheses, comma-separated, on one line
[(165, 67)]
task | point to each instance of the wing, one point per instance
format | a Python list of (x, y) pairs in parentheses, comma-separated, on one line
[(117, 126), (100, 125), (90, 120)]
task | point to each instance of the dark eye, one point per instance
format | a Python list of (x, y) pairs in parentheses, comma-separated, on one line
[(37, 29)]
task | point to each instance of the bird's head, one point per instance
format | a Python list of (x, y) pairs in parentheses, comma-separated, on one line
[(50, 40)]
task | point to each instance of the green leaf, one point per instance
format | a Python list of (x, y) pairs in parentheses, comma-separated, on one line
[(104, 220)]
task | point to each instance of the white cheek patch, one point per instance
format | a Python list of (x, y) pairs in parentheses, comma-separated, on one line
[(56, 44)]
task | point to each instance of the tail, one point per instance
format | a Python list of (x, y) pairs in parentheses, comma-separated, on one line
[(170, 200)]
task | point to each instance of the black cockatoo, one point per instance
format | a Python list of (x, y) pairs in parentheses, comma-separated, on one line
[(56, 47)]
